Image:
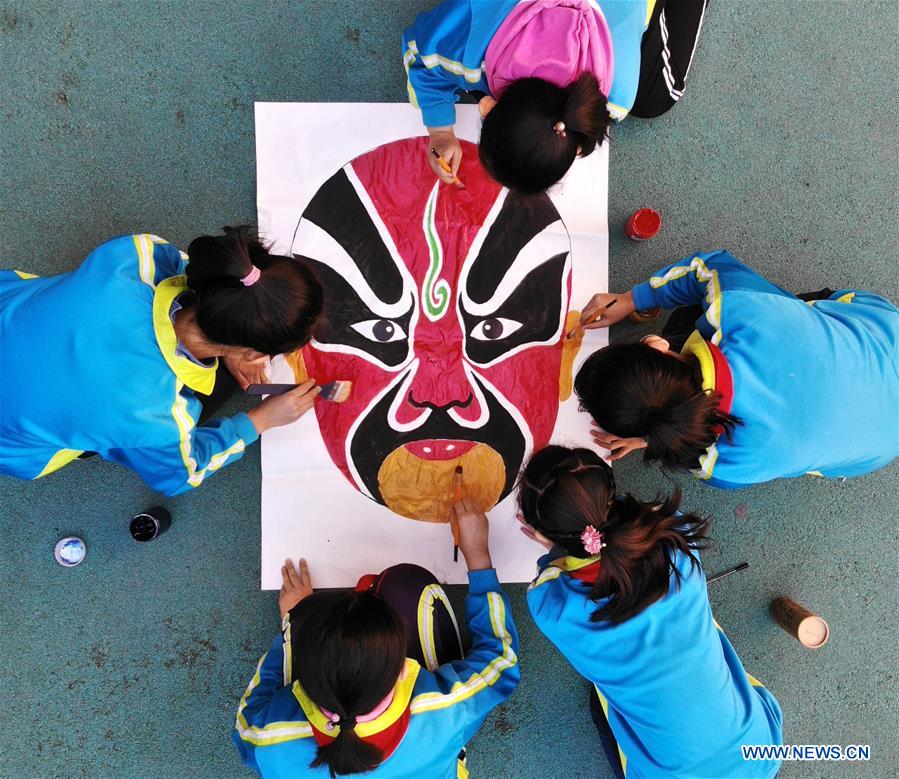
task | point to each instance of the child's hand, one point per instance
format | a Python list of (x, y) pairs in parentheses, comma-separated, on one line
[(277, 410), (624, 305), (473, 533), (618, 447), (296, 586), (535, 535), (485, 105), (445, 143), (247, 367)]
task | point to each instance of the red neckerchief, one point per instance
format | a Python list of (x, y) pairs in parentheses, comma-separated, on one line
[(586, 574), (724, 384), (386, 740), (724, 381)]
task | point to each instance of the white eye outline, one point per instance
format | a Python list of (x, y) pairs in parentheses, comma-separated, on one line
[(509, 326), (367, 329)]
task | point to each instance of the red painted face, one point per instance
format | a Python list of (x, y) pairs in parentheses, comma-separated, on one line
[(446, 308)]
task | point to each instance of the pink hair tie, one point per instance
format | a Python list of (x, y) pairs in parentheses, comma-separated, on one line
[(377, 711), (592, 541), (252, 277)]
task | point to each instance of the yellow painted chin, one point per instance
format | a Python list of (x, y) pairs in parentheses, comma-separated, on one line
[(423, 489)]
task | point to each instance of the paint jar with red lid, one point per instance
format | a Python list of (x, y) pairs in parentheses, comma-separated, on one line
[(643, 224)]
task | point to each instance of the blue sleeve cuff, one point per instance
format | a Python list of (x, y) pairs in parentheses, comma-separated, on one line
[(245, 427), (644, 296), (440, 115), (480, 582)]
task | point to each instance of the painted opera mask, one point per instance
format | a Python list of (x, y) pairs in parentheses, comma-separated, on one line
[(447, 308)]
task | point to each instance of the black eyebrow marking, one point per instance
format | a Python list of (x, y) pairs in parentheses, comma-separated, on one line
[(337, 209), (519, 220), (343, 308), (540, 295)]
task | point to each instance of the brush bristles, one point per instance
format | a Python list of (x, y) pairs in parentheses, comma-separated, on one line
[(337, 391)]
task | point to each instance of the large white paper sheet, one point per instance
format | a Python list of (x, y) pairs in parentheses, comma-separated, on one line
[(308, 508)]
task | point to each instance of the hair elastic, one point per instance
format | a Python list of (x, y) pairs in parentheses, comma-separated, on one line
[(591, 538), (336, 721), (252, 277), (559, 127)]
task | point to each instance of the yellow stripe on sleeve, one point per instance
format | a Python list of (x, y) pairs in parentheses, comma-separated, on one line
[(549, 573), (144, 245), (713, 289), (186, 424), (274, 732), (431, 61)]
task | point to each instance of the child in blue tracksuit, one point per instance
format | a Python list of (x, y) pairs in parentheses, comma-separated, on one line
[(117, 356), (622, 595), (376, 681), (554, 73), (767, 386)]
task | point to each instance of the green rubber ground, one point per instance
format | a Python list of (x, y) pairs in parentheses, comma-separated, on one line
[(138, 116)]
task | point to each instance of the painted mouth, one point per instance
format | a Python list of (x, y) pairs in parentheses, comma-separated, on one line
[(439, 449)]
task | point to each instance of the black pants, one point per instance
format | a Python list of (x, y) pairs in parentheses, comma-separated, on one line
[(609, 744), (666, 54), (431, 628), (225, 387)]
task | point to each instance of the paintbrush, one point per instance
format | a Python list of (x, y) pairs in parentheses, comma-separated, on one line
[(457, 496), (444, 166), (728, 572), (335, 391), (592, 319)]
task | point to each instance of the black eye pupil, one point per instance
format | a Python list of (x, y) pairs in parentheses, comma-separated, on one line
[(383, 330), (493, 328)]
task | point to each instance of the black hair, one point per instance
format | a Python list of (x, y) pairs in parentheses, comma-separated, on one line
[(349, 649), (633, 390), (276, 314), (563, 491), (519, 145)]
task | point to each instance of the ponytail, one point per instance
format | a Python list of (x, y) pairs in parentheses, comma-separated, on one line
[(585, 115), (642, 540), (633, 390), (536, 129), (348, 652), (348, 754), (568, 495), (246, 296)]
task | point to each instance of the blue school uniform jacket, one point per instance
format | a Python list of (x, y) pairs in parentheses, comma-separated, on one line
[(816, 385), (444, 50), (89, 361), (676, 696), (274, 729)]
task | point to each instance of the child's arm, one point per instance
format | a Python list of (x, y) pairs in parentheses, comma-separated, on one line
[(252, 727), (433, 47), (194, 453), (699, 278), (489, 673)]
